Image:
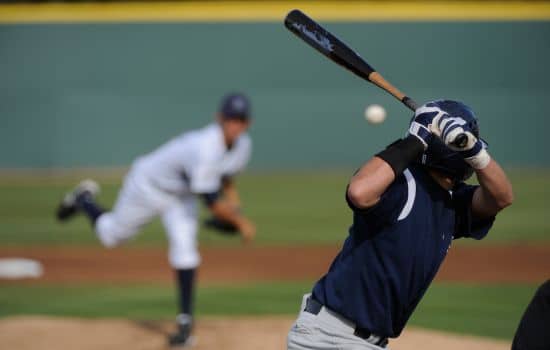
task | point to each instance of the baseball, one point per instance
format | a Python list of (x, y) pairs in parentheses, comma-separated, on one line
[(375, 114)]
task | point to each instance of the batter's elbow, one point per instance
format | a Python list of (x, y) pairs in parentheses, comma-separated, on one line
[(359, 195), (502, 199), (505, 200)]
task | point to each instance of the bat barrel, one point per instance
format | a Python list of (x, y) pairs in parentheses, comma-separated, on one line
[(336, 50)]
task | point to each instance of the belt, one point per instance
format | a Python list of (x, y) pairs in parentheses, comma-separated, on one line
[(314, 307)]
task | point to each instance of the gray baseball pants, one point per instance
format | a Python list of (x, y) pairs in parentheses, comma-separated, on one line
[(324, 331)]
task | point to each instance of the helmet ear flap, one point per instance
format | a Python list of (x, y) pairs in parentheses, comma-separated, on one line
[(472, 124)]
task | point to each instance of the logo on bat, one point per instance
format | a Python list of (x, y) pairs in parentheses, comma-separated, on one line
[(318, 38)]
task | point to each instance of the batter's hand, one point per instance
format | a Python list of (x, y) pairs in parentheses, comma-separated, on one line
[(420, 126), (448, 128)]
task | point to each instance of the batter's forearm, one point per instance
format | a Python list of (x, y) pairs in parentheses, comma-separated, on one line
[(495, 192)]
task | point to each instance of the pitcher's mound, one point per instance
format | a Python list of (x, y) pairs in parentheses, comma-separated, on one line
[(266, 333)]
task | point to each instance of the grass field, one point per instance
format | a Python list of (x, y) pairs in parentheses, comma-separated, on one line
[(487, 310), (293, 208)]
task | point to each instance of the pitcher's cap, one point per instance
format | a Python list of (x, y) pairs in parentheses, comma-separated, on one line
[(235, 105)]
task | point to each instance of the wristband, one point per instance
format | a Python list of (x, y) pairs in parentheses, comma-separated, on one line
[(401, 153), (480, 160)]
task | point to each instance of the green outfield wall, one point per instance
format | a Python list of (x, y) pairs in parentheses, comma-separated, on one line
[(79, 95)]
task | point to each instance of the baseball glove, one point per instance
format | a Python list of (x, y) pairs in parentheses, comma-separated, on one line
[(220, 226)]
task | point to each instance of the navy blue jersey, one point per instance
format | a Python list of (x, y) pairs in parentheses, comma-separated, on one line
[(394, 250)]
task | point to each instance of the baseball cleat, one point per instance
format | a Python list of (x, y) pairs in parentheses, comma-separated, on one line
[(182, 338), (68, 206), (178, 340)]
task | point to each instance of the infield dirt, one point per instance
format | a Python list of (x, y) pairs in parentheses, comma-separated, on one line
[(235, 265), (73, 264), (266, 333)]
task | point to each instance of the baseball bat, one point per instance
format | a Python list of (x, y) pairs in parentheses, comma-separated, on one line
[(337, 51)]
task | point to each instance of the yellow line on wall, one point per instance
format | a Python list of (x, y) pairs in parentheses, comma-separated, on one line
[(274, 11)]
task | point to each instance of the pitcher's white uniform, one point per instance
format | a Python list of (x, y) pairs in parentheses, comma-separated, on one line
[(166, 182)]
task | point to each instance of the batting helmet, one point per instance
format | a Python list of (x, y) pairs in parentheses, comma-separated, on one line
[(440, 157)]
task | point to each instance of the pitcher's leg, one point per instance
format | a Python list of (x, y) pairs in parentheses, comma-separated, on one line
[(133, 208), (180, 222)]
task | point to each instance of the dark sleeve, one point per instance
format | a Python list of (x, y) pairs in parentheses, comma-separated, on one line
[(210, 198), (387, 210), (227, 178), (466, 224)]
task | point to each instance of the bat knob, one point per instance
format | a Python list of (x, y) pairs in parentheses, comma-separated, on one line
[(461, 141)]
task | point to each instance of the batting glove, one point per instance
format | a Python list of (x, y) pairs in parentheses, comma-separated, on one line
[(448, 128), (420, 126)]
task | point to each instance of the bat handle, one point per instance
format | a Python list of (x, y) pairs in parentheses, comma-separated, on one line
[(410, 103)]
